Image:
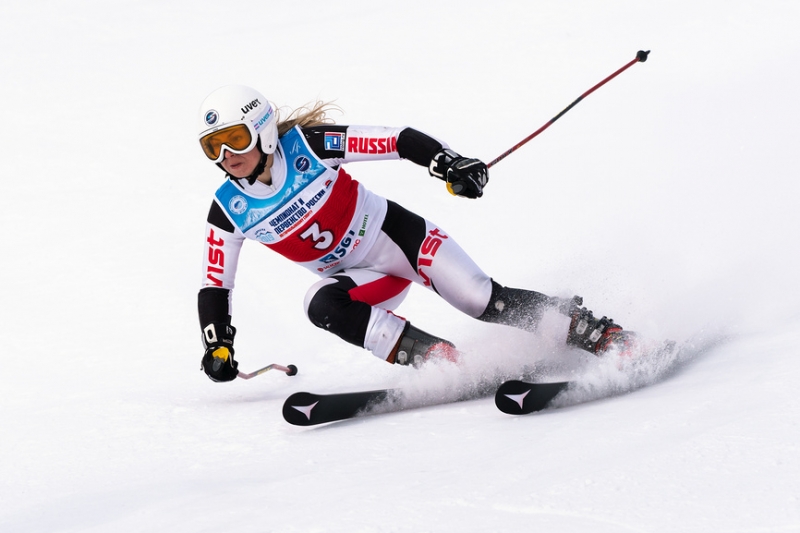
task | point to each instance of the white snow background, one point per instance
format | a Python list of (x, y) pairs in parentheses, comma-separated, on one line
[(667, 199)]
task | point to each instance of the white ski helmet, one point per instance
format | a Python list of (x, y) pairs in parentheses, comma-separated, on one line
[(234, 118)]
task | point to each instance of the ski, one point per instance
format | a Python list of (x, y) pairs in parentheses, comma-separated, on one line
[(521, 398), (308, 409)]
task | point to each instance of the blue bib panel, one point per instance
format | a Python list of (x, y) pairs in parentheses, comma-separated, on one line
[(286, 206)]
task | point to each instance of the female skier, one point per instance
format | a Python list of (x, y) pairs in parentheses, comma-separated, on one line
[(287, 189)]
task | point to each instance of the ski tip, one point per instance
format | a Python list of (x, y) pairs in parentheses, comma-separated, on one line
[(307, 409), (298, 408), (520, 397)]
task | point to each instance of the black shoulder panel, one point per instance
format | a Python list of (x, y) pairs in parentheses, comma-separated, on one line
[(218, 218), (328, 142)]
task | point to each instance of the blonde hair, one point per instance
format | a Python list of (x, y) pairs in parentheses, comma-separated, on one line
[(315, 114)]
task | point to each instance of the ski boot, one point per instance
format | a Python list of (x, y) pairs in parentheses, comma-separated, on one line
[(598, 335), (415, 347)]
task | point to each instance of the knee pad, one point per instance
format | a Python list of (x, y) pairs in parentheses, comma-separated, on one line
[(328, 306)]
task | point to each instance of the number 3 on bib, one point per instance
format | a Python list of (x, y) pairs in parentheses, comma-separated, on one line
[(322, 239)]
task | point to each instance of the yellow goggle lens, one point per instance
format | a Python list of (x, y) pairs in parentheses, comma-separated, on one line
[(236, 138)]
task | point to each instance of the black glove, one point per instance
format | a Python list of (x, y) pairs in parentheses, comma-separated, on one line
[(464, 177), (218, 361)]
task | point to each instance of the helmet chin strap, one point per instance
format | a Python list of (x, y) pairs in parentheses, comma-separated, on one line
[(262, 164)]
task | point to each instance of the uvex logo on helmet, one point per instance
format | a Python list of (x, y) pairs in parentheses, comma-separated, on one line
[(257, 124), (249, 107)]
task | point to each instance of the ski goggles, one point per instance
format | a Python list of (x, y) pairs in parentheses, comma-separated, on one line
[(237, 138)]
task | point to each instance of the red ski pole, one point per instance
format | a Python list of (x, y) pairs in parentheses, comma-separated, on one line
[(641, 57)]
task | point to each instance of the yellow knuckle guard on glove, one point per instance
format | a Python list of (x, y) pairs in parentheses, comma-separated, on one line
[(221, 353)]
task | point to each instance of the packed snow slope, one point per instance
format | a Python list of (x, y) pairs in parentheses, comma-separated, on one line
[(667, 199)]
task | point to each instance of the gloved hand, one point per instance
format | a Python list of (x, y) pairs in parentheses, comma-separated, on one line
[(465, 177), (218, 362)]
